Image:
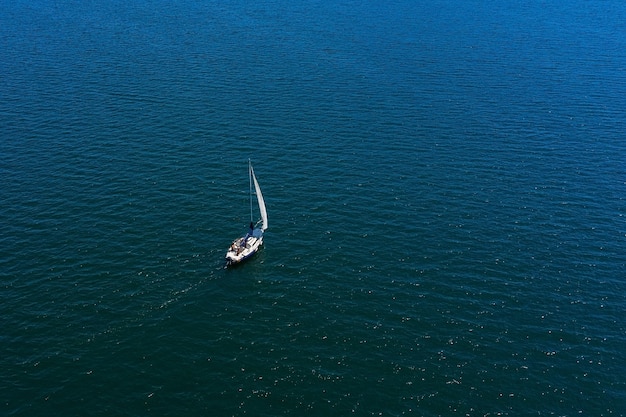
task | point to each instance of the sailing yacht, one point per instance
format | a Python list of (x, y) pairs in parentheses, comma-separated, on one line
[(246, 246)]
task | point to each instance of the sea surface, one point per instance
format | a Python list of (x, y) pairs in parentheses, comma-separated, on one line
[(446, 189)]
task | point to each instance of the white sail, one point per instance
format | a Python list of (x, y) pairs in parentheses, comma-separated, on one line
[(259, 197)]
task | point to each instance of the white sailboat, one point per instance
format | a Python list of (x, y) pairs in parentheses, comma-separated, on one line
[(244, 247)]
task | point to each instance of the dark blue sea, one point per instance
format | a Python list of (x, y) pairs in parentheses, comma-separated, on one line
[(445, 183)]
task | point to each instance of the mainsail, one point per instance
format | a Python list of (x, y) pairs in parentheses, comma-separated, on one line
[(259, 197)]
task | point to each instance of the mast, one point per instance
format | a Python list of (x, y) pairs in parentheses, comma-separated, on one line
[(250, 190)]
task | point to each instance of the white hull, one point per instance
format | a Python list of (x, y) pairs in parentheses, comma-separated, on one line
[(238, 252)]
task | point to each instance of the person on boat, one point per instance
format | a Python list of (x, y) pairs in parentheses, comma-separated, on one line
[(239, 245)]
